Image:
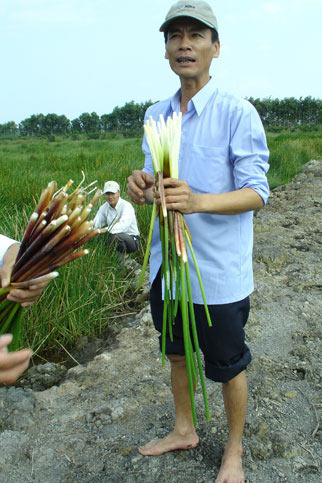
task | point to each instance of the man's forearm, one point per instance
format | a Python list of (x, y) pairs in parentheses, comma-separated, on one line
[(232, 203)]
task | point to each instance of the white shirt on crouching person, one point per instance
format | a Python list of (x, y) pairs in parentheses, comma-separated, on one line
[(120, 219)]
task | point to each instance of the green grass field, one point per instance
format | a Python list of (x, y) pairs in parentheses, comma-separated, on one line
[(289, 151), (90, 291)]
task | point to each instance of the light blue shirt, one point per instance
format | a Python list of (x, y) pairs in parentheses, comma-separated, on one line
[(223, 148)]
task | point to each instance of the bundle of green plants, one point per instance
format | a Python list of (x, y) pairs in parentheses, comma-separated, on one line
[(56, 229), (164, 142)]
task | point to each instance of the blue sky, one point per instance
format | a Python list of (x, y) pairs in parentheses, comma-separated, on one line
[(75, 56)]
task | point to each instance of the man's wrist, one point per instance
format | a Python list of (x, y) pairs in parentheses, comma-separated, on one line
[(199, 203)]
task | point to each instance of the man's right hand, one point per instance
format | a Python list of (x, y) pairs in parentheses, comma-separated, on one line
[(139, 187)]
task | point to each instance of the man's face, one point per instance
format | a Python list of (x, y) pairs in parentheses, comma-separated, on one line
[(190, 50), (112, 198)]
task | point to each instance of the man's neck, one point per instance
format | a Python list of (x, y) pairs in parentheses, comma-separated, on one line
[(189, 88), (115, 204)]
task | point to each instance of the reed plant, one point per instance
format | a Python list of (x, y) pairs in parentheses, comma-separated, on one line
[(56, 229), (164, 143)]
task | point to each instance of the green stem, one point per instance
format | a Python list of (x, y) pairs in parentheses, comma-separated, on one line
[(161, 228), (186, 337), (170, 311), (167, 277), (173, 267), (196, 343), (193, 364), (164, 328), (166, 256), (10, 316), (199, 278), (16, 330), (5, 311), (176, 302), (4, 290), (3, 304), (165, 302)]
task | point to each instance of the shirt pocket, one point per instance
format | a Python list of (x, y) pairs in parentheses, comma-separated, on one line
[(206, 169)]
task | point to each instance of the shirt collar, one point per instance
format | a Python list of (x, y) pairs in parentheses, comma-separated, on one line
[(175, 101), (118, 204), (199, 101)]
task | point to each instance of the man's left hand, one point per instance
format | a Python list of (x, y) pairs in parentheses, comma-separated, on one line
[(178, 196)]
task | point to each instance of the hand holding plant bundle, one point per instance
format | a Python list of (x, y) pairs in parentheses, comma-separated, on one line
[(56, 229), (164, 143), (26, 296)]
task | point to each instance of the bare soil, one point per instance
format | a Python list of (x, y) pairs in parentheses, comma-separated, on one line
[(85, 424)]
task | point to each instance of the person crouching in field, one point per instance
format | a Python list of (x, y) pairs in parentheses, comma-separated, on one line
[(118, 217)]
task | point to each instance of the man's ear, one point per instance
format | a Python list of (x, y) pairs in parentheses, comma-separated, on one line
[(166, 56), (216, 49)]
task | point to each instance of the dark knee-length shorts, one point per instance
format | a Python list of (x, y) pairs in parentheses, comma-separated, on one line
[(223, 344)]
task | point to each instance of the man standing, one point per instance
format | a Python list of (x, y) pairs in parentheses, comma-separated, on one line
[(222, 179), (118, 216)]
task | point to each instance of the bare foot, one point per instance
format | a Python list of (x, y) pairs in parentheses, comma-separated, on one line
[(170, 443), (231, 470)]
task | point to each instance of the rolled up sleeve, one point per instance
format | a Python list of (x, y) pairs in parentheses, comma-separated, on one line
[(248, 151)]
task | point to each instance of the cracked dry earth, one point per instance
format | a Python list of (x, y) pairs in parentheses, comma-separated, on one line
[(85, 424)]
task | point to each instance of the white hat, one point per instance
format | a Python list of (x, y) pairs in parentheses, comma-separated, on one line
[(111, 187), (195, 9)]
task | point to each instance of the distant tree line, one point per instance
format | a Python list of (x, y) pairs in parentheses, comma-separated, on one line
[(129, 118), (289, 112)]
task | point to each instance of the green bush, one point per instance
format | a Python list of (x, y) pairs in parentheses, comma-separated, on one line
[(93, 135), (276, 129)]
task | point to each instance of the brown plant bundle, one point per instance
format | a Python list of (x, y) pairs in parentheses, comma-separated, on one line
[(56, 229)]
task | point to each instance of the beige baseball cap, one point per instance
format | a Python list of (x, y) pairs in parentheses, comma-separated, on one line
[(199, 10), (111, 187)]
